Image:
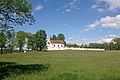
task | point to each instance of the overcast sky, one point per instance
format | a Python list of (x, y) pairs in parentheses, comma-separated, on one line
[(81, 21)]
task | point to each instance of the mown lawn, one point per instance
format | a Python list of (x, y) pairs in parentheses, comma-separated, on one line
[(61, 65)]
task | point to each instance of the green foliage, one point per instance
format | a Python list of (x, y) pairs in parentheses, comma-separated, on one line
[(61, 36), (31, 41), (15, 12), (116, 40), (40, 37), (54, 37), (20, 39), (73, 45), (117, 43), (114, 45), (10, 36), (2, 41)]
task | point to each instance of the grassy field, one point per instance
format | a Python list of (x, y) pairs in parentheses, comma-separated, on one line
[(61, 65)]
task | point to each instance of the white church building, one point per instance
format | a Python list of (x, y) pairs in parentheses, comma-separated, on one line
[(55, 44), (59, 45)]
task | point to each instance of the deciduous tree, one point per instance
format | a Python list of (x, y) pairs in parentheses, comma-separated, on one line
[(31, 41), (20, 40), (40, 37), (10, 37), (54, 37), (2, 41), (117, 43), (15, 12), (61, 36)]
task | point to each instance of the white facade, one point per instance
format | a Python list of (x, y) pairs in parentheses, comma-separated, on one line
[(54, 46)]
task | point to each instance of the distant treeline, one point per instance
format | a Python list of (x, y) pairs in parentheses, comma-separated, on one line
[(73, 45), (113, 45)]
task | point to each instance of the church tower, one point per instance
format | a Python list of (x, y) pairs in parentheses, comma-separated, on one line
[(51, 37)]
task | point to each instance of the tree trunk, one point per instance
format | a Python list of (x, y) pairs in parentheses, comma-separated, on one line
[(1, 50), (20, 49), (11, 49), (33, 48), (40, 48), (118, 46)]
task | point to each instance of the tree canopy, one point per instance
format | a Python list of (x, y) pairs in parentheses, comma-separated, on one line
[(2, 41), (10, 37), (54, 37), (40, 37), (20, 39), (113, 45), (15, 12), (61, 36), (31, 41)]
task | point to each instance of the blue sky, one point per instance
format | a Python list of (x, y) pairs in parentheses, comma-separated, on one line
[(81, 21)]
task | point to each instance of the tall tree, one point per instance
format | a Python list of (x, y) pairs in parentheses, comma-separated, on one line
[(10, 37), (54, 37), (2, 41), (117, 43), (15, 12), (40, 37), (31, 41), (61, 36), (20, 40)]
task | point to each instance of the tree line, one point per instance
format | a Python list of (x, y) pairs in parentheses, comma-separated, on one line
[(113, 45), (10, 40), (73, 45)]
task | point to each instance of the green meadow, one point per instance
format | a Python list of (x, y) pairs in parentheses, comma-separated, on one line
[(61, 65)]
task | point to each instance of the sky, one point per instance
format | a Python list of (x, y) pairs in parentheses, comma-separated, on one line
[(81, 21)]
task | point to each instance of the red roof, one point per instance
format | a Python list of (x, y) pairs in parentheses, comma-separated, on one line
[(57, 41)]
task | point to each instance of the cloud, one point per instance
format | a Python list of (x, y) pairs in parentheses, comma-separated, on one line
[(72, 5), (39, 7), (108, 38), (68, 10), (113, 4), (107, 22), (94, 6), (100, 10), (111, 35), (65, 24), (79, 41), (106, 5), (100, 30)]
